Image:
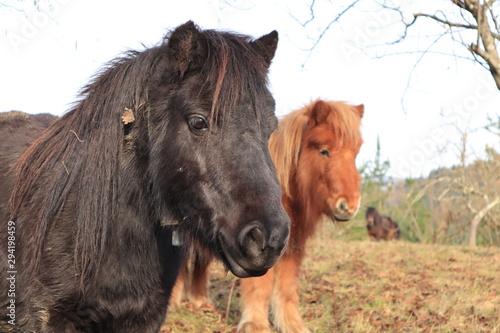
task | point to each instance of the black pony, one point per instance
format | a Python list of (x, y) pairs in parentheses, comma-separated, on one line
[(164, 142), (381, 227)]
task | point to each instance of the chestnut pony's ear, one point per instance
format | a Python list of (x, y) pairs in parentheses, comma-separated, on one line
[(319, 112), (266, 46), (186, 49), (360, 109)]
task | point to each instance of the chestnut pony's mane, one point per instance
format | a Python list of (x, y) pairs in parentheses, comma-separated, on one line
[(285, 143)]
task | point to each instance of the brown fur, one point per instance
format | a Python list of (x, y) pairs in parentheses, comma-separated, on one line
[(381, 227), (18, 130)]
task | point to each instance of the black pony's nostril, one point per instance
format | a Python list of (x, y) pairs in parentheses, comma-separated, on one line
[(252, 240)]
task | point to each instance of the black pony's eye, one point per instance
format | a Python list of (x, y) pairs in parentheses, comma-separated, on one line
[(324, 152), (197, 123)]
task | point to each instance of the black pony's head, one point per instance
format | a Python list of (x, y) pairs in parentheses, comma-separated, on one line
[(209, 118), (177, 132)]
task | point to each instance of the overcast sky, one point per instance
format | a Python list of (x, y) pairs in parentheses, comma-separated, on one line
[(414, 106)]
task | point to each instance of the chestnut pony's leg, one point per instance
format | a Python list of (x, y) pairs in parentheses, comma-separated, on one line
[(193, 280), (200, 280), (256, 295), (285, 301), (179, 290)]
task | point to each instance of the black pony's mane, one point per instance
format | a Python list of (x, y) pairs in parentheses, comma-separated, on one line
[(79, 156)]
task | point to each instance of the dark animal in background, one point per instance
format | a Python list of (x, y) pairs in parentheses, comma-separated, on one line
[(17, 130), (381, 227), (168, 141), (314, 150)]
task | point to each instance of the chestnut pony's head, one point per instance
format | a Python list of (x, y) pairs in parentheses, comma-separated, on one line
[(314, 150)]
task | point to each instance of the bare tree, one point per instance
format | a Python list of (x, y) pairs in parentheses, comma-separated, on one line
[(479, 215), (478, 16), (475, 187), (474, 24)]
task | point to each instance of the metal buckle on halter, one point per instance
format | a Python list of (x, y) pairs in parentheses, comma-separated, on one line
[(177, 237), (177, 234)]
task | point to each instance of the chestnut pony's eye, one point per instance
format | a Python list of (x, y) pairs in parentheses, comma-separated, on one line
[(197, 123), (324, 152)]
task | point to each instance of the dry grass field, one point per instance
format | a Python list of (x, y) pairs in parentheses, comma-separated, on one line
[(365, 286)]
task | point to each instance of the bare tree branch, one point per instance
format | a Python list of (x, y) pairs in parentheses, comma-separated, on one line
[(10, 7), (478, 216), (459, 3), (489, 52), (486, 37), (311, 13), (473, 15), (326, 28), (330, 24), (448, 23), (414, 67)]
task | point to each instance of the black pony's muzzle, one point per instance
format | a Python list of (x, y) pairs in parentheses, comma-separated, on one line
[(255, 249)]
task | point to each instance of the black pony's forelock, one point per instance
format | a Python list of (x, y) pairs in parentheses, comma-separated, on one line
[(232, 68)]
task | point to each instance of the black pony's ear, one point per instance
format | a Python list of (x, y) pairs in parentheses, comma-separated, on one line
[(266, 46), (186, 49)]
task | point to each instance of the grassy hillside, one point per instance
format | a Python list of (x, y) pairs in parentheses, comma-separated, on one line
[(364, 286)]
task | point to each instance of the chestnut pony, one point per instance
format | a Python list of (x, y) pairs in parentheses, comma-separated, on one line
[(314, 151)]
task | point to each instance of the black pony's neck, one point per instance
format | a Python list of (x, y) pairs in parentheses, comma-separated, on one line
[(84, 153)]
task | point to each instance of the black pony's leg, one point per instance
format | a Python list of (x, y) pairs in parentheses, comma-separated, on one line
[(80, 318), (86, 319)]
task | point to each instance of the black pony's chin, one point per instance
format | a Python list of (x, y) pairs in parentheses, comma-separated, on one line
[(232, 264)]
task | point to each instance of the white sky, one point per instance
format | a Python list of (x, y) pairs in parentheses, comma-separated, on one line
[(48, 55)]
